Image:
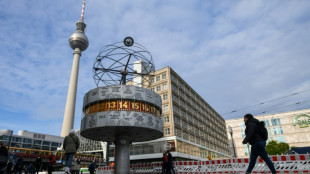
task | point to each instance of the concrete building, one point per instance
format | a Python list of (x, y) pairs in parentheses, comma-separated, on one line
[(30, 140), (193, 130), (290, 127), (33, 140)]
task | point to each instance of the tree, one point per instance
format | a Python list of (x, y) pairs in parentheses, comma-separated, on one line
[(275, 148)]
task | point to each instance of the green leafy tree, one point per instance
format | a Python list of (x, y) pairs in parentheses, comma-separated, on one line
[(275, 148)]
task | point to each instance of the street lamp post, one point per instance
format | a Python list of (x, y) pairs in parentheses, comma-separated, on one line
[(232, 139)]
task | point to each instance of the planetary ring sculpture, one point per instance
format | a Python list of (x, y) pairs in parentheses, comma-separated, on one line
[(121, 109), (115, 64)]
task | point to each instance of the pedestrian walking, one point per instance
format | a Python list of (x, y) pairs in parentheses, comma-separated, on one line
[(91, 167), (170, 162), (258, 142), (3, 157), (31, 169), (71, 144), (19, 165), (51, 163), (38, 164), (165, 167), (12, 162)]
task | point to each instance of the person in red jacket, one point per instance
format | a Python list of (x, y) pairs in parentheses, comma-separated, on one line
[(51, 163)]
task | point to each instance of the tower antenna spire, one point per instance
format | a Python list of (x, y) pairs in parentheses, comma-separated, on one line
[(78, 42), (82, 14)]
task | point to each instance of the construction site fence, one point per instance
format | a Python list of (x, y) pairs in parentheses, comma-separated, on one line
[(284, 164)]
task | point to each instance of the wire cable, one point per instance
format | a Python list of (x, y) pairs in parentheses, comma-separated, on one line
[(268, 101)]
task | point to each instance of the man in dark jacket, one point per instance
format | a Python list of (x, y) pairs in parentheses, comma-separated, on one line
[(3, 157), (258, 143), (71, 144), (170, 162), (38, 164), (91, 167)]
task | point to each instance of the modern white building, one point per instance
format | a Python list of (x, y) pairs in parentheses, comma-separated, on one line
[(30, 140), (290, 127)]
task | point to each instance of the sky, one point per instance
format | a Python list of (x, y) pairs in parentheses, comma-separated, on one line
[(240, 56)]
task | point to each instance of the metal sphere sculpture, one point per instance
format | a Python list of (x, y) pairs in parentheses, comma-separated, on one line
[(121, 109), (123, 63)]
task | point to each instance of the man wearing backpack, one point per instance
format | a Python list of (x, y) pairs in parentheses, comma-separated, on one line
[(257, 139), (71, 144)]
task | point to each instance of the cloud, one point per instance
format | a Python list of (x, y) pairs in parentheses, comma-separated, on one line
[(234, 54)]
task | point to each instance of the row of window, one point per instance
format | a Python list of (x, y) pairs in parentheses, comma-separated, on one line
[(276, 131), (160, 87), (212, 143), (274, 122), (29, 141), (159, 77)]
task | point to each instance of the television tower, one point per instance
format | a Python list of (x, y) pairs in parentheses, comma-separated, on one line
[(78, 42)]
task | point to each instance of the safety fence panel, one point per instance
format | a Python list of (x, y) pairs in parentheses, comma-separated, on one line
[(288, 164)]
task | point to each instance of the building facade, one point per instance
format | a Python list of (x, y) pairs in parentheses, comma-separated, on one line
[(30, 140), (288, 127), (193, 130), (33, 140)]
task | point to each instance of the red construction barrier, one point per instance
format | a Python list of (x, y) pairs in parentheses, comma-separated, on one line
[(287, 164)]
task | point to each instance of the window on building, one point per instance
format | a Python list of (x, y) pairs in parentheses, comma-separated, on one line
[(178, 132), (164, 86), (275, 131), (267, 123), (158, 88), (152, 80), (165, 97), (163, 76), (185, 135), (181, 94), (166, 119), (176, 120), (181, 85), (55, 144), (167, 131), (175, 98), (45, 148), (152, 88), (189, 118), (175, 109), (183, 113), (27, 140), (269, 132), (281, 130), (184, 124), (46, 143), (37, 142), (157, 78), (26, 145), (173, 78), (182, 104), (166, 108), (275, 122)]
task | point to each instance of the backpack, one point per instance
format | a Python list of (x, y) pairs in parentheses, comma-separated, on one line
[(262, 130)]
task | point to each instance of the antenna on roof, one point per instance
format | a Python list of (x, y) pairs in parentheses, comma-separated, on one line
[(82, 14)]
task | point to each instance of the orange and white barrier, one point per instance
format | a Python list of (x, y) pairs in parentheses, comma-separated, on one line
[(287, 164)]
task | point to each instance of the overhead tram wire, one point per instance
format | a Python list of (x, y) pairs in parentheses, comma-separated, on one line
[(268, 101), (268, 111), (264, 112)]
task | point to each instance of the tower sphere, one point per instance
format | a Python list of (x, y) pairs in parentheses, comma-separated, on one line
[(78, 40)]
